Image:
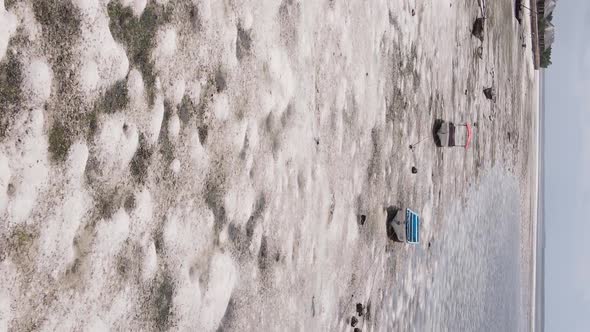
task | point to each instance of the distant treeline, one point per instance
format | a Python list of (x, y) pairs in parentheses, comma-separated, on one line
[(544, 22), (546, 58)]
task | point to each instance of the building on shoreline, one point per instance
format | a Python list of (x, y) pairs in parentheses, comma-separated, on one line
[(545, 10)]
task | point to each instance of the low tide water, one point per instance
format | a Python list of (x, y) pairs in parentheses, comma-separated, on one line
[(476, 283), (470, 277)]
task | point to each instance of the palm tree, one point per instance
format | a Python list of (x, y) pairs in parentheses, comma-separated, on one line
[(546, 58)]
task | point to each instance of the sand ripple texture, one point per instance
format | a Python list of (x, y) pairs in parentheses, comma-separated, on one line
[(197, 165)]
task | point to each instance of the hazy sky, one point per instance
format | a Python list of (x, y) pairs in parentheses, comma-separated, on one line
[(567, 182)]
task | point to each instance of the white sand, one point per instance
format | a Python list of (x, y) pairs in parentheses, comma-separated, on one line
[(7, 29), (102, 61), (137, 5), (37, 82), (226, 189)]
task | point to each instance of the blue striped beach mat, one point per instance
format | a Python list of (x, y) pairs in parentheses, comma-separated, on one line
[(412, 227)]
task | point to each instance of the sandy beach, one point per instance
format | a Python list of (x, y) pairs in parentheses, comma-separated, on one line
[(204, 165)]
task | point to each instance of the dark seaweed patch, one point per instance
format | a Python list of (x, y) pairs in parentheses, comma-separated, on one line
[(163, 303), (10, 3), (263, 254), (138, 35), (220, 81), (243, 43), (107, 205), (203, 132), (186, 110), (10, 90), (214, 199), (166, 147), (60, 140), (228, 317), (60, 22), (289, 14), (129, 203), (114, 99), (141, 160)]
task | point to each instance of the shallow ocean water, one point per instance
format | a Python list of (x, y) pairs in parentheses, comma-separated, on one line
[(476, 281)]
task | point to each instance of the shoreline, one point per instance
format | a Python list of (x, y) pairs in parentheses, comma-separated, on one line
[(535, 32), (535, 204)]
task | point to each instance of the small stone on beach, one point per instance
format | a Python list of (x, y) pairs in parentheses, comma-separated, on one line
[(363, 219), (353, 321), (479, 52), (478, 28), (359, 309), (489, 93), (414, 170)]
